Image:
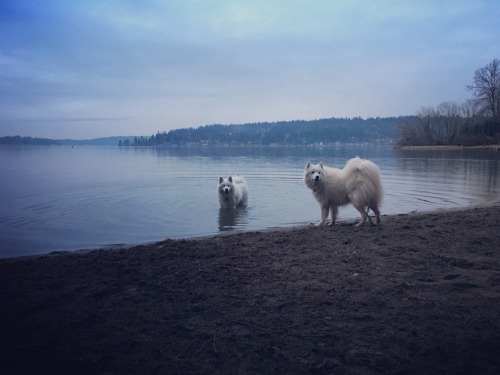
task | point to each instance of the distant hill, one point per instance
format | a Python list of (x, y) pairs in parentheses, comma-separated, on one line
[(18, 141), (107, 141), (27, 141), (297, 132)]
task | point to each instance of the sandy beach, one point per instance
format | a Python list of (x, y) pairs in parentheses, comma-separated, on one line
[(419, 294)]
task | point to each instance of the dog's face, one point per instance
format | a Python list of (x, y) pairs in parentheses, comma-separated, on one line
[(225, 186), (314, 173)]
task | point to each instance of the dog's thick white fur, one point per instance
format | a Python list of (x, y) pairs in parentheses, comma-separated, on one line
[(358, 183), (233, 192)]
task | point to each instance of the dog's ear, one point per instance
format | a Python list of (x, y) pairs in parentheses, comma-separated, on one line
[(321, 165), (221, 180), (308, 165), (230, 179)]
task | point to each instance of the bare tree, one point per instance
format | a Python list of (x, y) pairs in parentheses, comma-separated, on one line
[(450, 121), (471, 115), (486, 88), (477, 121), (426, 123), (407, 135), (470, 108)]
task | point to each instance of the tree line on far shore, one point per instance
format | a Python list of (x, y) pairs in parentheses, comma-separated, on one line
[(297, 132), (17, 140), (475, 122)]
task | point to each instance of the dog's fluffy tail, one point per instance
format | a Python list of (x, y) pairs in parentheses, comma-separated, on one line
[(367, 187), (239, 180), (372, 173)]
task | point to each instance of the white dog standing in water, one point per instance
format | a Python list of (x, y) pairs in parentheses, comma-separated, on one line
[(358, 183), (233, 192)]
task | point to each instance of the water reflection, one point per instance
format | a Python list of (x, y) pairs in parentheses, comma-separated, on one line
[(343, 151), (474, 173), (231, 218)]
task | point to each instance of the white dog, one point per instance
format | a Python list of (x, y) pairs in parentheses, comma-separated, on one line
[(358, 183), (233, 192)]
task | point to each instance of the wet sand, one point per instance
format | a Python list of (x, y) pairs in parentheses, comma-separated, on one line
[(419, 294)]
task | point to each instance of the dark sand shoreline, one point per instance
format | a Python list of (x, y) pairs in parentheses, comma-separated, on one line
[(419, 294)]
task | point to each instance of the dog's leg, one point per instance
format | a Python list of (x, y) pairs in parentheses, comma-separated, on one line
[(376, 211), (324, 214), (368, 215), (333, 212), (364, 214)]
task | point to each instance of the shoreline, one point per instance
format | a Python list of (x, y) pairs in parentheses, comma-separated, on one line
[(418, 294), (494, 147), (305, 225)]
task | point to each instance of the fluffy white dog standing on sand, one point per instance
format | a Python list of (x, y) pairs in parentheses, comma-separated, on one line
[(358, 183), (233, 192)]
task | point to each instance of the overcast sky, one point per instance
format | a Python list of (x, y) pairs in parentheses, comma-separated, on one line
[(86, 69)]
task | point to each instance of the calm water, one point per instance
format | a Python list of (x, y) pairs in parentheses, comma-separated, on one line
[(63, 198)]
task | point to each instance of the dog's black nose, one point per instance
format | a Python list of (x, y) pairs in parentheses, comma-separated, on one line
[(316, 178)]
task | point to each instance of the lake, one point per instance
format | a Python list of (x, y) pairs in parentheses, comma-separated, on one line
[(64, 198)]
